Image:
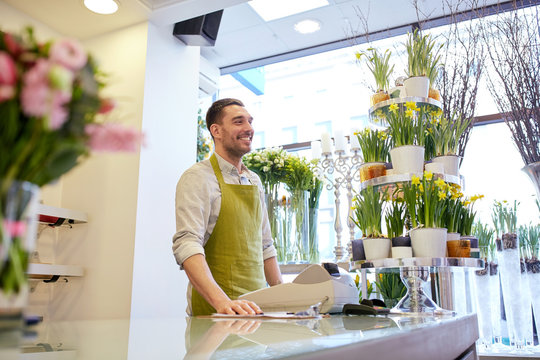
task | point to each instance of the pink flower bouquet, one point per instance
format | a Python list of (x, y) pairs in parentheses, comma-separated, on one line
[(51, 110), (51, 117)]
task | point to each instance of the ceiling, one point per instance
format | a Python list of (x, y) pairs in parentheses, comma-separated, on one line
[(243, 38)]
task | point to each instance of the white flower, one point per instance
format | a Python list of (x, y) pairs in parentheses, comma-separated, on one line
[(266, 169), (257, 158), (276, 161)]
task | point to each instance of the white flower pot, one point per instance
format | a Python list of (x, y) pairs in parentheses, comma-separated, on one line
[(434, 167), (417, 86), (450, 164), (408, 159), (400, 252), (428, 242), (376, 248)]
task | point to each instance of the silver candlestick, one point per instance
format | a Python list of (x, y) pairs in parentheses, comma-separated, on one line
[(345, 168)]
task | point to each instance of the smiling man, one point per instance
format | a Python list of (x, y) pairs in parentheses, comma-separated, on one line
[(223, 239)]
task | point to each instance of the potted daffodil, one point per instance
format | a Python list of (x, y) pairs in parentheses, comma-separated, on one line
[(379, 65)]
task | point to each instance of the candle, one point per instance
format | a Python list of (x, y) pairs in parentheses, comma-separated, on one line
[(355, 145), (316, 150), (326, 144), (339, 140)]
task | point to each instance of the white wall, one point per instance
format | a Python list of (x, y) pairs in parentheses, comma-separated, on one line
[(169, 119), (126, 246)]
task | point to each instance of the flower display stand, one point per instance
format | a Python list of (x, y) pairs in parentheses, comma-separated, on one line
[(415, 273)]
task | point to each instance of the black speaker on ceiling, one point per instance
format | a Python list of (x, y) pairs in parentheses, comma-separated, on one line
[(199, 31)]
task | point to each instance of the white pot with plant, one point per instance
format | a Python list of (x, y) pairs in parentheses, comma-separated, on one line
[(446, 134), (395, 226), (407, 127), (375, 146), (424, 198), (421, 63), (379, 65), (367, 215)]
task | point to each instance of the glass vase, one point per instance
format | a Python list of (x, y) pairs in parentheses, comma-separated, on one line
[(299, 235), (515, 307), (484, 307), (313, 236), (533, 270), (18, 231), (495, 294), (273, 209)]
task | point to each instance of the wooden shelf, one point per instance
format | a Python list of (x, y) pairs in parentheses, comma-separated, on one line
[(70, 216), (38, 271)]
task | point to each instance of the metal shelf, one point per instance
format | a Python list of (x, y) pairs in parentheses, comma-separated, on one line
[(416, 261), (418, 100), (48, 214), (392, 179)]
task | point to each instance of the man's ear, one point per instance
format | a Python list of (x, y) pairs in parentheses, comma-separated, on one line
[(215, 130)]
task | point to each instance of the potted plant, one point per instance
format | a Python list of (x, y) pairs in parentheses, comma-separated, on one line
[(445, 134), (452, 216), (419, 59), (465, 226), (395, 226), (407, 130), (425, 205), (379, 65), (375, 146), (367, 215), (390, 287)]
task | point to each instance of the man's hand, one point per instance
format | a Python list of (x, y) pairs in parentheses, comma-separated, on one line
[(241, 307)]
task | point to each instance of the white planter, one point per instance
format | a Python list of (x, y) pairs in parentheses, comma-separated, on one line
[(400, 252), (450, 164), (434, 168), (408, 159), (428, 242), (376, 248), (417, 86)]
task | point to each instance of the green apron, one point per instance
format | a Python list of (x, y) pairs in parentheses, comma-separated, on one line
[(234, 250)]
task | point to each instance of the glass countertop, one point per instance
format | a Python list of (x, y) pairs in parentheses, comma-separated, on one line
[(197, 338)]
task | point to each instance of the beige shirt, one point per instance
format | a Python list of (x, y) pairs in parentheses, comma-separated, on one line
[(198, 202)]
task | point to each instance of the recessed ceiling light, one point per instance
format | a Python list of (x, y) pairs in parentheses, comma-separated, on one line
[(307, 26), (276, 9), (105, 7)]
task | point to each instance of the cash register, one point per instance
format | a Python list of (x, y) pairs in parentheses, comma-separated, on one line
[(327, 284)]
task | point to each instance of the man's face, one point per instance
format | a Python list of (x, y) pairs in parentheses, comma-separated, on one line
[(234, 131)]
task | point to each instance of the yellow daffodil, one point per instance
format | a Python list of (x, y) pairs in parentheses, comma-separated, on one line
[(382, 135), (480, 196), (442, 195), (474, 198), (415, 180), (394, 108), (421, 188), (410, 105), (409, 113), (440, 184), (466, 203), (428, 175)]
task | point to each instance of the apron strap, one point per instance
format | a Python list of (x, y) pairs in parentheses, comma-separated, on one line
[(217, 170)]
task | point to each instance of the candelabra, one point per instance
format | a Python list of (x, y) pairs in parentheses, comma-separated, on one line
[(345, 170)]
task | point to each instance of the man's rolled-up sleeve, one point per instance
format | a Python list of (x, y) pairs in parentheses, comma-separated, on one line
[(193, 206)]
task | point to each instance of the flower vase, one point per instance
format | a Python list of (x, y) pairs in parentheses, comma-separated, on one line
[(533, 270), (450, 163), (428, 242), (274, 209), (313, 257), (372, 170), (417, 86), (376, 248), (510, 269), (495, 294), (299, 235), (18, 232), (484, 307), (408, 159)]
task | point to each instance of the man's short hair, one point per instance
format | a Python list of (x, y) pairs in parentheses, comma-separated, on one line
[(213, 115)]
